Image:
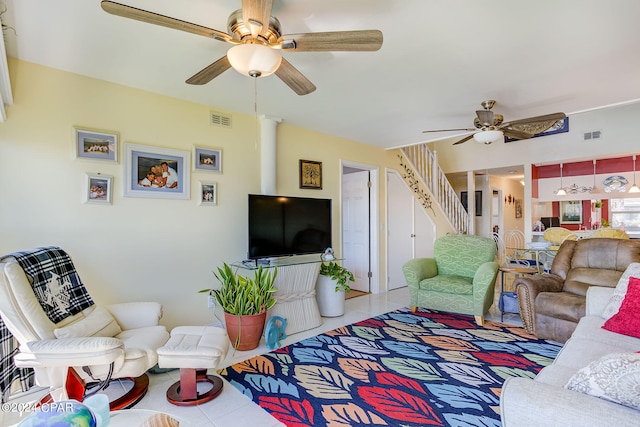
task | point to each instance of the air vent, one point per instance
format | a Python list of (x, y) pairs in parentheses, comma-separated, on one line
[(596, 134), (219, 119)]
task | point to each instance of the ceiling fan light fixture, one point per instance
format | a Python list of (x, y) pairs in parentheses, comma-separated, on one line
[(254, 59), (487, 136)]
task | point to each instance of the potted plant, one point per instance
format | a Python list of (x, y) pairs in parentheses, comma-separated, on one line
[(333, 282), (245, 302)]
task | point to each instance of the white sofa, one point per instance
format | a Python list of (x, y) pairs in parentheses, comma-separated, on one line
[(544, 401)]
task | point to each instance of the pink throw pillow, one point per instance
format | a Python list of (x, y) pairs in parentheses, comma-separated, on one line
[(627, 320)]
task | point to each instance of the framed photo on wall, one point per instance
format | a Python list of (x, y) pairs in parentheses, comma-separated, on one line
[(571, 212), (96, 144), (208, 193), (207, 159), (311, 174), (156, 172), (518, 204), (98, 188)]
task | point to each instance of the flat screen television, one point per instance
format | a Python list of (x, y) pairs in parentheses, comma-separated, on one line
[(282, 226)]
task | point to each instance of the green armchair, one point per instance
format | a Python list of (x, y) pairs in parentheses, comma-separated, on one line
[(460, 278)]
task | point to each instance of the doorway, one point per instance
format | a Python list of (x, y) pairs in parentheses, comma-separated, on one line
[(410, 231), (359, 215)]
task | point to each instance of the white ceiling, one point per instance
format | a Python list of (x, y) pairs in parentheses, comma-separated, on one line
[(439, 59)]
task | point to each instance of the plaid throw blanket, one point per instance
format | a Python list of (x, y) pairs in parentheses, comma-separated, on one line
[(60, 293)]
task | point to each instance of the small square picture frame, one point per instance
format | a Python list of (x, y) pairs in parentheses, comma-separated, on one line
[(310, 174), (207, 159), (96, 144), (98, 188), (208, 193)]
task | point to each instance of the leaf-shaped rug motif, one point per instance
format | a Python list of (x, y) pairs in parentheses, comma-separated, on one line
[(323, 382), (350, 415), (397, 369)]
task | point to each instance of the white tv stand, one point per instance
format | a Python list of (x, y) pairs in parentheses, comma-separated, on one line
[(296, 295)]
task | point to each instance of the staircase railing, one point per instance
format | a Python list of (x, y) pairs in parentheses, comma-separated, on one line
[(425, 164)]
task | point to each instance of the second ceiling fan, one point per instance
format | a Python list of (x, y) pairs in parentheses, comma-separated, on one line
[(489, 126), (257, 38)]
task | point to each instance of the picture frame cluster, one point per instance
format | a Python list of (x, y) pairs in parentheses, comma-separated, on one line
[(149, 171)]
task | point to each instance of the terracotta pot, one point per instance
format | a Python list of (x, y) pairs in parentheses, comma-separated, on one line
[(245, 331)]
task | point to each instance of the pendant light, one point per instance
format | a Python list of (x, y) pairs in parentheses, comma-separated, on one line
[(594, 189), (634, 188), (560, 191)]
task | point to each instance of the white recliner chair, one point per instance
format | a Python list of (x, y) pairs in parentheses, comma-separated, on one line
[(95, 345)]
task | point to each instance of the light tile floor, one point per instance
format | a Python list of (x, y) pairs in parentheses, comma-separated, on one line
[(231, 408)]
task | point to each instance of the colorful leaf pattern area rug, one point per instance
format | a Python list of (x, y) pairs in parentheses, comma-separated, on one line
[(398, 369)]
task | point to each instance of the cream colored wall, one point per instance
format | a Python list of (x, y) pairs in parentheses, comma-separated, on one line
[(139, 248)]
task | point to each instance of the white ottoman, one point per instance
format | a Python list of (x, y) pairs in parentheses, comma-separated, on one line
[(194, 349)]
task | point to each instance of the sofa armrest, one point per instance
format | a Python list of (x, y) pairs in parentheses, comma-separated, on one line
[(485, 277), (418, 269), (597, 299), (64, 352), (528, 288), (528, 403), (133, 315)]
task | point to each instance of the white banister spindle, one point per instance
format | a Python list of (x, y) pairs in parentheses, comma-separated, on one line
[(425, 164)]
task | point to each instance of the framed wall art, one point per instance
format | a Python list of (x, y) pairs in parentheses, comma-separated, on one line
[(96, 144), (571, 212), (208, 194), (518, 205), (98, 188), (156, 172), (207, 159), (311, 174)]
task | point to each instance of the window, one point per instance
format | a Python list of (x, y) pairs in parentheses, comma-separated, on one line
[(625, 212)]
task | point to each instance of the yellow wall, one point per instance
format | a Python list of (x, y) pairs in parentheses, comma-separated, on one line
[(140, 248)]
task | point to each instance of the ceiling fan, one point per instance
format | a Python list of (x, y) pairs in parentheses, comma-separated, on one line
[(257, 38), (489, 126)]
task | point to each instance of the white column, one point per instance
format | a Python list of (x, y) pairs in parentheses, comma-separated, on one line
[(268, 147), (527, 203), (471, 201)]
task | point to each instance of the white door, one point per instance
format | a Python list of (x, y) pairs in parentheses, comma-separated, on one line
[(355, 227), (410, 231)]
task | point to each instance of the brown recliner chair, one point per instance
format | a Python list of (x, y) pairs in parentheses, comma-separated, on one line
[(552, 304)]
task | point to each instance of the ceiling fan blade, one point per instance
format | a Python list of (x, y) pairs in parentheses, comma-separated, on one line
[(352, 41), (545, 118), (516, 134), (294, 78), (209, 73), (465, 139), (448, 130), (485, 117), (256, 14), (163, 21)]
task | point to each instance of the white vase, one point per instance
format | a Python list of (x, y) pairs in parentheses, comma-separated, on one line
[(330, 301)]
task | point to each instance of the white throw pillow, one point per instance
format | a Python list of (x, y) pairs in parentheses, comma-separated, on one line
[(621, 289), (98, 323), (614, 377)]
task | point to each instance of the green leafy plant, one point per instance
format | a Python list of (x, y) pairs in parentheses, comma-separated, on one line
[(338, 273), (604, 222), (242, 295), (598, 204)]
